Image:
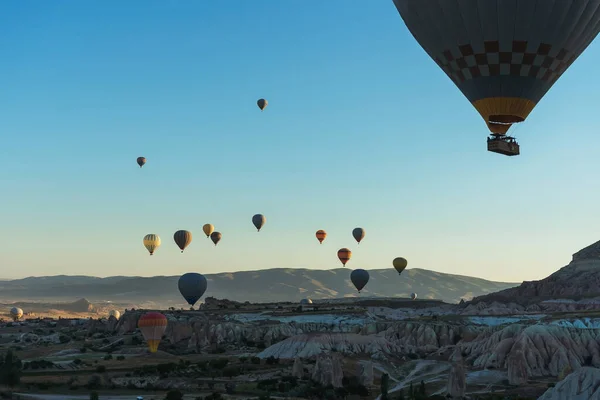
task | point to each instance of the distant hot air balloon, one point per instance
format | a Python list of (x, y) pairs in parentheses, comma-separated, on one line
[(141, 161), (16, 313), (259, 221), (183, 239), (114, 313), (305, 302), (413, 296), (153, 326), (359, 234), (262, 104), (192, 286), (215, 237), (504, 56), (151, 242), (344, 255), (321, 235), (359, 278), (208, 229), (399, 264)]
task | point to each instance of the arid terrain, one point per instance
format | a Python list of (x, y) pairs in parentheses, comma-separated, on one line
[(539, 340)]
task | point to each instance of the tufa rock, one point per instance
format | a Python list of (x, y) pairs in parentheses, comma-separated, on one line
[(457, 381), (298, 368), (328, 370), (583, 384)]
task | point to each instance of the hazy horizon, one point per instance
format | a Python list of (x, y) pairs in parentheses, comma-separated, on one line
[(2, 278), (362, 129)]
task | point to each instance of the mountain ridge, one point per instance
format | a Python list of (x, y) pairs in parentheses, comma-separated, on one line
[(276, 284)]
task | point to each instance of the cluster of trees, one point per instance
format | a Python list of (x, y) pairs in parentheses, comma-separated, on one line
[(10, 369)]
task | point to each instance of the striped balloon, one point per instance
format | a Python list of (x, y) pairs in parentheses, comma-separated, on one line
[(344, 255), (321, 235), (151, 242), (183, 239), (153, 326)]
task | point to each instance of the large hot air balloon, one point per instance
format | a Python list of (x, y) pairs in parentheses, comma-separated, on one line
[(151, 242), (183, 239), (503, 55), (153, 326), (305, 302), (344, 255), (321, 235), (358, 234), (208, 229), (413, 296), (259, 221), (399, 264), (192, 286), (16, 313), (262, 104), (141, 161), (215, 237), (359, 278), (114, 313)]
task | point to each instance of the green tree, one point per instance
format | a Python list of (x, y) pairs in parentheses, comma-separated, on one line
[(385, 381), (94, 396), (10, 369)]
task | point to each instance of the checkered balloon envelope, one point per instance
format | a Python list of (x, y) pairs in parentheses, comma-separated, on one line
[(504, 56)]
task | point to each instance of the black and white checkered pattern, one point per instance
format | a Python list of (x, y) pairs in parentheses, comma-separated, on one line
[(493, 62)]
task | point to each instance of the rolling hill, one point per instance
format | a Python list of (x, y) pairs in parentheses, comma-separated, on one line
[(278, 284)]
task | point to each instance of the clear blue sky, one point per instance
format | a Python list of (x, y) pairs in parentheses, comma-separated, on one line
[(362, 129)]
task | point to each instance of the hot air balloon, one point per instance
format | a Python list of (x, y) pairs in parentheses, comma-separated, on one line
[(344, 255), (215, 237), (141, 161), (153, 326), (151, 242), (321, 235), (183, 239), (399, 264), (192, 286), (504, 56), (413, 296), (305, 302), (16, 313), (114, 313), (208, 229), (359, 278), (358, 234), (259, 221), (262, 104)]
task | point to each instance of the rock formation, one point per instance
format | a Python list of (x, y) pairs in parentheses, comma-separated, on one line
[(365, 373), (328, 370), (583, 384), (457, 381), (298, 368), (517, 366), (581, 278)]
